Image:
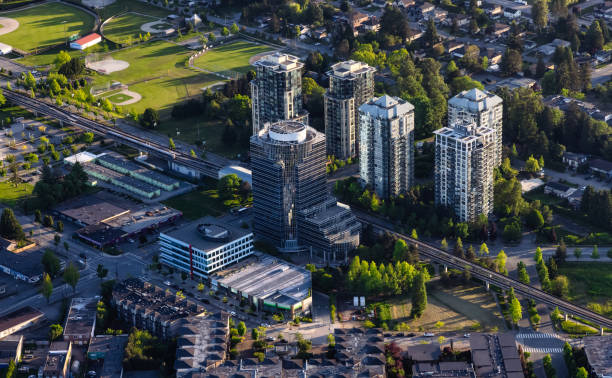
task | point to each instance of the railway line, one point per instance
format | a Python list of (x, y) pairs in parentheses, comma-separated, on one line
[(488, 276), (204, 167)]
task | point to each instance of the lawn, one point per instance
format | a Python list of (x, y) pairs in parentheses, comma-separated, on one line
[(46, 24), (10, 195), (231, 57), (126, 27), (119, 97), (199, 203), (157, 71), (461, 308), (590, 285), (136, 6), (195, 129)]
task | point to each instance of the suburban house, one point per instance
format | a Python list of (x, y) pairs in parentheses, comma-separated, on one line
[(558, 189), (574, 160), (500, 29), (512, 13), (493, 10), (601, 167)]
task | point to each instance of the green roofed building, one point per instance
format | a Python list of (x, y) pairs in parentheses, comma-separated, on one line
[(129, 168)]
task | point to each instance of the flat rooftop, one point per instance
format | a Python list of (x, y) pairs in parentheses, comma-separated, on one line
[(81, 316), (267, 278), (24, 314), (599, 353), (190, 234), (91, 209), (120, 161), (113, 348), (27, 262)]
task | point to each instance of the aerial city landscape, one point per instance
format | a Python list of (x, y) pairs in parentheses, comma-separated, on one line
[(306, 188)]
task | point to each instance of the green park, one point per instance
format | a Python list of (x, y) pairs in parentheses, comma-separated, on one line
[(233, 56), (46, 25)]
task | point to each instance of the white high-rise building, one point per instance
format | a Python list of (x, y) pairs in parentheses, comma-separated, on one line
[(465, 155), (483, 108), (386, 147)]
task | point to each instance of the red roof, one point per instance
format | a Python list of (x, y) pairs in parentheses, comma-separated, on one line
[(88, 38)]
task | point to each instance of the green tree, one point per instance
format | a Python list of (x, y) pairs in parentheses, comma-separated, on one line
[(560, 286), (582, 373), (516, 312), (512, 62), (11, 369), (9, 226), (532, 165), (171, 144), (101, 271), (523, 276), (594, 38), (539, 13), (71, 276), (500, 262), (444, 244), (535, 219), (419, 297), (484, 250), (55, 331), (242, 329), (225, 31), (150, 118), (46, 287), (51, 263), (61, 58), (595, 253), (234, 28), (414, 234)]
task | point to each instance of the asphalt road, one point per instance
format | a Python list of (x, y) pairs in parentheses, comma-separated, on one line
[(601, 75)]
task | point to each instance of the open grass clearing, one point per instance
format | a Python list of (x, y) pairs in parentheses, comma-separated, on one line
[(200, 202), (10, 194), (121, 6), (590, 285), (157, 71), (462, 308), (126, 27), (231, 57), (46, 24)]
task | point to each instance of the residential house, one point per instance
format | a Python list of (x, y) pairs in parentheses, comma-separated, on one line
[(601, 167), (500, 29), (462, 20), (558, 189), (602, 57), (423, 11), (494, 56), (574, 160), (403, 4), (511, 13), (319, 33), (494, 11)]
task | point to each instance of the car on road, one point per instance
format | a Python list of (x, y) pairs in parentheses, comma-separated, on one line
[(429, 334), (466, 335), (233, 313), (167, 283), (270, 338)]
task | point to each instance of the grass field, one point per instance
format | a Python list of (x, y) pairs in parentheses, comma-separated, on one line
[(121, 6), (46, 24), (590, 285), (10, 195), (460, 308), (119, 97), (231, 57), (157, 72), (199, 203), (126, 27)]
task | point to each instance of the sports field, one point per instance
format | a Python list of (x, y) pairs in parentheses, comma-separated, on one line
[(119, 97), (231, 57), (126, 27), (157, 71), (46, 24)]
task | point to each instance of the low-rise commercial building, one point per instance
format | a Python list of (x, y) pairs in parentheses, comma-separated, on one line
[(25, 265), (81, 321), (108, 351), (269, 284), (601, 167), (146, 306), (120, 180), (129, 168), (558, 189), (574, 160), (10, 350), (205, 246), (495, 355), (58, 360), (19, 320)]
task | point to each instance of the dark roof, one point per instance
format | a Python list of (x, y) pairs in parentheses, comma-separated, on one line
[(424, 352), (27, 262), (25, 314), (558, 186), (600, 164)]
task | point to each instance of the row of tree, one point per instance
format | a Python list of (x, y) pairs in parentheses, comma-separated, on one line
[(372, 279)]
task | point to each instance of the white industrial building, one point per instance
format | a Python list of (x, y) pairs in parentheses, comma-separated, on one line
[(484, 108), (386, 148), (205, 246), (465, 155)]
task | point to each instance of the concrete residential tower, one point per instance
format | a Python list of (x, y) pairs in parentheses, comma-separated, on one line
[(291, 206), (483, 108), (276, 91), (465, 155), (351, 84), (386, 152)]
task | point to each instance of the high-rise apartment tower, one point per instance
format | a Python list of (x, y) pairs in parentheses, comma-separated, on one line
[(483, 108), (465, 155), (276, 91), (351, 84), (386, 145)]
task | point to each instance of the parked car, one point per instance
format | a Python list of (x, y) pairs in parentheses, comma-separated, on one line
[(428, 334)]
